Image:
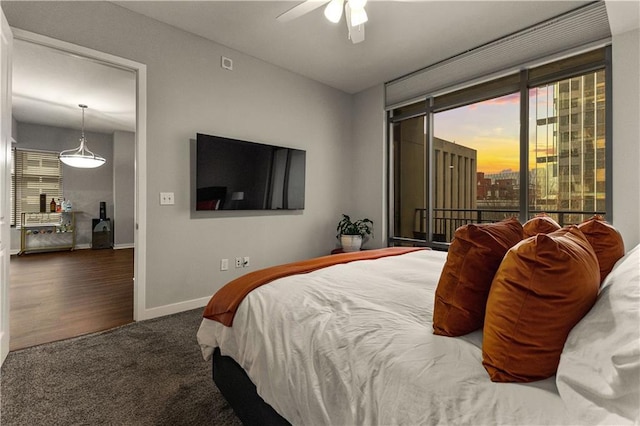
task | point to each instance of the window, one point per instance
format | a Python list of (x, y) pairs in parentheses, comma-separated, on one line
[(33, 173), (475, 146), (581, 165), (526, 143)]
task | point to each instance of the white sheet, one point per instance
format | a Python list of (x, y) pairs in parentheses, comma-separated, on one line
[(599, 371), (353, 344)]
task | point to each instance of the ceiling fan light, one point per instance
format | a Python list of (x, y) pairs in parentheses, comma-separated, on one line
[(357, 4), (333, 11), (358, 16)]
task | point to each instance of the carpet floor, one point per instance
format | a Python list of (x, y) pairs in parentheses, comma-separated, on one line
[(146, 373)]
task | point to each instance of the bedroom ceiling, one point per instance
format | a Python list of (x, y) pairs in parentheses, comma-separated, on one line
[(401, 37)]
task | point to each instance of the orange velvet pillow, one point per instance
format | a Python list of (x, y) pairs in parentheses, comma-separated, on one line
[(474, 256), (541, 223), (543, 287), (606, 242)]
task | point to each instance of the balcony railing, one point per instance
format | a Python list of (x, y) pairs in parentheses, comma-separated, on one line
[(446, 221)]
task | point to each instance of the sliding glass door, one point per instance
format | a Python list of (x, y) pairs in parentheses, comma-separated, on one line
[(409, 174)]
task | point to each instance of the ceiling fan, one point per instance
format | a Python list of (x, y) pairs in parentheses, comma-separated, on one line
[(354, 12)]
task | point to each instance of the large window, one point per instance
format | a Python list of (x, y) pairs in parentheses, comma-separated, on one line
[(33, 173), (527, 143)]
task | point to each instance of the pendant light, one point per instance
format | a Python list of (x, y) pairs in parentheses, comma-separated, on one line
[(81, 157)]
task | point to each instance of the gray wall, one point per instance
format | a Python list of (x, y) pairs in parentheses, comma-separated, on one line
[(626, 135), (370, 162), (124, 149), (189, 92), (14, 128), (84, 187)]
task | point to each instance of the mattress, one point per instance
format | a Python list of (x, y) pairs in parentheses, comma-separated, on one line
[(353, 344)]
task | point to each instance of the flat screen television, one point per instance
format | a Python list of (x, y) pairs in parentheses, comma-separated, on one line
[(233, 174)]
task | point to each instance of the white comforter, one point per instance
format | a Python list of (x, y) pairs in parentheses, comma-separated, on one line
[(353, 344)]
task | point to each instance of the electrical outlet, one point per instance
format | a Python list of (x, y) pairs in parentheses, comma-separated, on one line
[(245, 262), (238, 262), (224, 264), (166, 199)]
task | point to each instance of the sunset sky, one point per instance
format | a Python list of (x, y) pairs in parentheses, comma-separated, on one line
[(491, 127)]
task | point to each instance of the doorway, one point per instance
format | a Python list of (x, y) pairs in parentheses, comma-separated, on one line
[(107, 116), (60, 295)]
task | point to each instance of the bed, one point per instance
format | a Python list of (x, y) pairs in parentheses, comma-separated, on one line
[(353, 343)]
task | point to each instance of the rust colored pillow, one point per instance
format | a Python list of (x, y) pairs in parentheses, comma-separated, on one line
[(606, 242), (541, 223), (544, 286), (473, 259)]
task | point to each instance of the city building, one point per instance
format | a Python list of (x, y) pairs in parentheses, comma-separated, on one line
[(455, 194), (568, 145)]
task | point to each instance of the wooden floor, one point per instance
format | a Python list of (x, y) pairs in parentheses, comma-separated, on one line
[(59, 295)]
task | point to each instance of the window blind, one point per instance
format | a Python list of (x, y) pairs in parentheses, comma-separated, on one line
[(35, 173), (584, 27)]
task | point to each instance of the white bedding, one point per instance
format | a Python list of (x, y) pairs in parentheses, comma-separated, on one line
[(353, 344)]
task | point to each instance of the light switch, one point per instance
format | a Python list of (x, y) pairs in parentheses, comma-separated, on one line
[(166, 199)]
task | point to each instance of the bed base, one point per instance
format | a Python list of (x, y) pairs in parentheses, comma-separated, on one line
[(241, 393)]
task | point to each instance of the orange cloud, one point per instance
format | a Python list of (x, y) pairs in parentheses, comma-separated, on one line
[(512, 99)]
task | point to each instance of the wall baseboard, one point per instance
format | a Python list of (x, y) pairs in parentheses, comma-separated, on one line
[(123, 246), (174, 308), (77, 247)]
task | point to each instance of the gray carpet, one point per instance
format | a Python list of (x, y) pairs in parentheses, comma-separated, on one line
[(146, 373)]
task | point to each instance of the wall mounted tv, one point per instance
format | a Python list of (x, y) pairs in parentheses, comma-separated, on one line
[(241, 175)]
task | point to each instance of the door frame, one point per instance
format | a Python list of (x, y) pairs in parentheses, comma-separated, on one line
[(6, 49), (140, 161)]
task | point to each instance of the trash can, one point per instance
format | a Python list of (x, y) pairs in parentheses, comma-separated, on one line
[(101, 238)]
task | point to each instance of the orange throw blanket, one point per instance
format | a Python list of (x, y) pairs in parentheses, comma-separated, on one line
[(223, 305)]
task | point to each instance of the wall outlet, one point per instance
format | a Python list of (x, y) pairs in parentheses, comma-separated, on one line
[(166, 199), (245, 262), (224, 264), (238, 262)]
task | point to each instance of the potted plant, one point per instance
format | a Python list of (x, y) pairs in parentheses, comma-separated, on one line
[(352, 234)]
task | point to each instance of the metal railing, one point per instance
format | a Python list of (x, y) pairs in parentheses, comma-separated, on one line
[(446, 221)]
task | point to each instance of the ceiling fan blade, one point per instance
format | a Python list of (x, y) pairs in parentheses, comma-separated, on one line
[(356, 32), (301, 9)]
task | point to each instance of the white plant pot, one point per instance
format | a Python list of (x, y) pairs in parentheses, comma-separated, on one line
[(351, 242)]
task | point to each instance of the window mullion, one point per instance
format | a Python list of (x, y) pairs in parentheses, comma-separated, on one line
[(524, 147), (608, 133), (429, 172)]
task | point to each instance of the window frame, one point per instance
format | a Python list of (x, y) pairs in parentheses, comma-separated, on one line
[(16, 219), (591, 61)]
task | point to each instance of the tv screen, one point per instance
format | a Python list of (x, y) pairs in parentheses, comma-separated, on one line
[(241, 175)]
